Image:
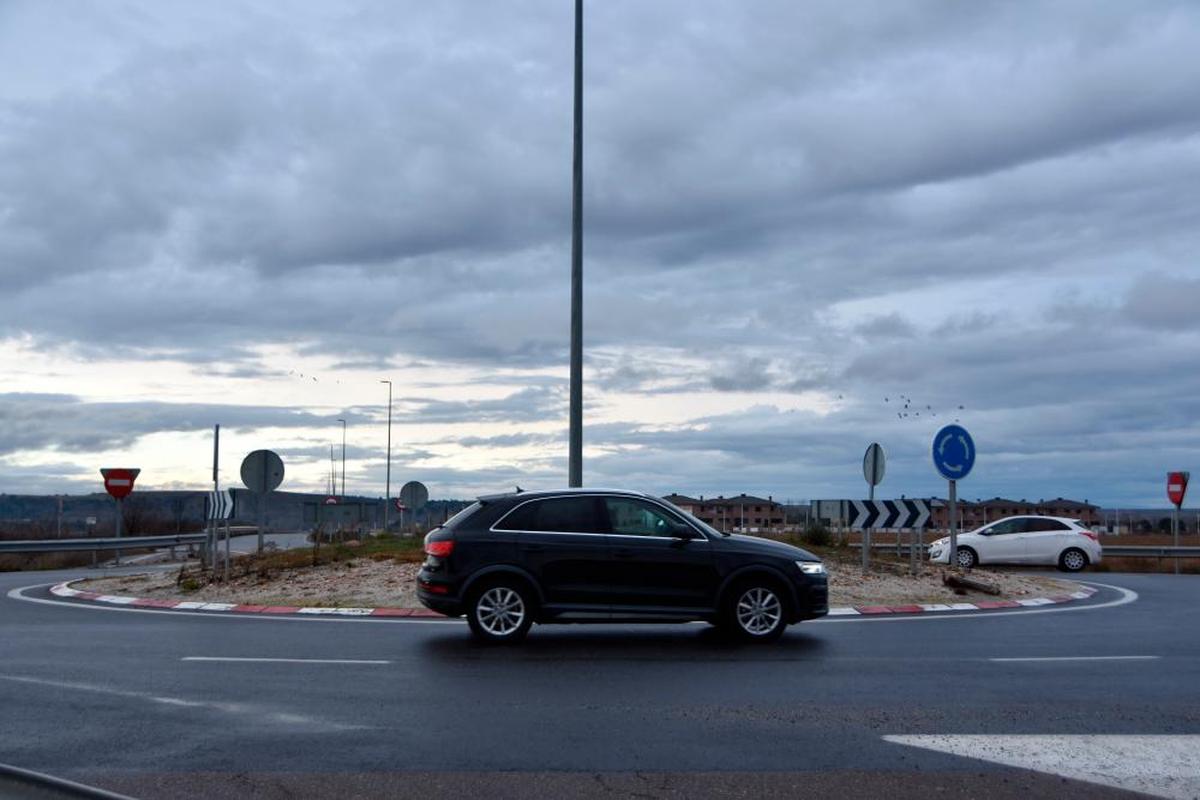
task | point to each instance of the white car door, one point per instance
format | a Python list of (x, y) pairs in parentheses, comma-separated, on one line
[(1044, 539), (1001, 543)]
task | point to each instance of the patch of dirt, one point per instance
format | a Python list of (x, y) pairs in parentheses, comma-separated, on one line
[(365, 583)]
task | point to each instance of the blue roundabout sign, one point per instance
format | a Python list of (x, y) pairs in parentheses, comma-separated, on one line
[(953, 452)]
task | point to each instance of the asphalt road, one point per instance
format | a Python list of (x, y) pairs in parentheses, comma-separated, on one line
[(142, 703)]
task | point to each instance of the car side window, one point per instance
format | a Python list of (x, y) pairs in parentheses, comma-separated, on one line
[(1035, 525), (630, 517), (554, 515), (1007, 526)]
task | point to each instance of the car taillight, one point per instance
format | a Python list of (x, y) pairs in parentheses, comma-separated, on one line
[(441, 548), (1091, 535)]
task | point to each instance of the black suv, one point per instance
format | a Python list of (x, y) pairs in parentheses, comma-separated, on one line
[(579, 555)]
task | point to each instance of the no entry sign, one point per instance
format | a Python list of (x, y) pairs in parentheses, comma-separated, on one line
[(118, 481), (1177, 486)]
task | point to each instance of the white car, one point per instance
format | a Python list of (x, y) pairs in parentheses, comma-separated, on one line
[(1066, 543)]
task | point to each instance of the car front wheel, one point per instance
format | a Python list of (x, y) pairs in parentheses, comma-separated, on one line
[(967, 558), (501, 612), (1072, 560), (756, 611)]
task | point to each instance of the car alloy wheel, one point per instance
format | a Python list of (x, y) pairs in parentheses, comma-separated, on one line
[(759, 611), (1073, 560), (501, 612), (966, 557)]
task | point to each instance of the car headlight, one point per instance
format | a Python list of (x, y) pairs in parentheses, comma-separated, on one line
[(811, 567)]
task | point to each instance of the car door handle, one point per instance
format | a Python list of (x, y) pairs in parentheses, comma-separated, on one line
[(623, 552), (533, 548)]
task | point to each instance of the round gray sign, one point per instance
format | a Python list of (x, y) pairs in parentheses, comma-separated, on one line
[(262, 471), (873, 464), (414, 495)]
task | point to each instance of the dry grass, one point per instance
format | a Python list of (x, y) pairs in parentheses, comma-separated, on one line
[(382, 573)]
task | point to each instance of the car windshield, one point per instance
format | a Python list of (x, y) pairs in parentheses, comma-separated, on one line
[(701, 523)]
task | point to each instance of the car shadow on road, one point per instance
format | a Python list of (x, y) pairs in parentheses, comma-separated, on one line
[(649, 643)]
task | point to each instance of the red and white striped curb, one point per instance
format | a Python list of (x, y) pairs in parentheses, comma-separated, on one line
[(982, 605), (65, 590)]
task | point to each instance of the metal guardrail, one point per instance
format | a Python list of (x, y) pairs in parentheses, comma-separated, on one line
[(1113, 551), (107, 543), (1150, 551)]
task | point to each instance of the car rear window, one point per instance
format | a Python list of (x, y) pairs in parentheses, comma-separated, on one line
[(554, 515), (462, 516)]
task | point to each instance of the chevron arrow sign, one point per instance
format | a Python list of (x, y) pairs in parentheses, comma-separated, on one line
[(889, 514), (218, 505)]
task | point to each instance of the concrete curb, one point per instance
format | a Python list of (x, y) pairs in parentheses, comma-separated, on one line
[(65, 590)]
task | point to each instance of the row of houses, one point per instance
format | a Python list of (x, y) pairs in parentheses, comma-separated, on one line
[(746, 512), (743, 512)]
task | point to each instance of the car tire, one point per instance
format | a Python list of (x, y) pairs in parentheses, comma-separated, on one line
[(1072, 560), (967, 558), (756, 610), (501, 611)]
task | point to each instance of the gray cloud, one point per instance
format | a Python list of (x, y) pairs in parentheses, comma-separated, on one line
[(1164, 302), (1004, 197), (68, 424)]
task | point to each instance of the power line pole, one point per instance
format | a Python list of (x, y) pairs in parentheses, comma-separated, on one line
[(343, 493), (387, 492), (575, 455)]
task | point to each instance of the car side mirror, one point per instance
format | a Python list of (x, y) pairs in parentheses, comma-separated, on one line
[(683, 532)]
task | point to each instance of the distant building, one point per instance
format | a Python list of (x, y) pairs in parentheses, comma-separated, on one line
[(975, 514), (744, 512)]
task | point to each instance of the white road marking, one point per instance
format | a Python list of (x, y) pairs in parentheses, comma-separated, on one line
[(1078, 658), (1164, 766), (286, 660), (1127, 596), (243, 709)]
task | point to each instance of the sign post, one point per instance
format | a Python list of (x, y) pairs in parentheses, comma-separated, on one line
[(1177, 483), (874, 463), (953, 456), (262, 472), (413, 496), (118, 482)]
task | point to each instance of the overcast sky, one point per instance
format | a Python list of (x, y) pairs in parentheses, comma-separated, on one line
[(798, 217)]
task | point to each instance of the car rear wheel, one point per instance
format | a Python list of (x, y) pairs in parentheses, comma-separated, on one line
[(756, 611), (500, 612), (1072, 560), (967, 558)]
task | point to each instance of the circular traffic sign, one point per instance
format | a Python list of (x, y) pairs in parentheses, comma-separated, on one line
[(874, 462), (953, 452), (414, 495), (118, 481), (262, 471)]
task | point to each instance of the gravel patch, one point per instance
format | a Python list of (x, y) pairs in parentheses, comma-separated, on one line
[(365, 583)]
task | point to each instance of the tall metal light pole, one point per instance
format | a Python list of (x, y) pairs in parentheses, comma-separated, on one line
[(575, 456), (343, 494), (387, 492)]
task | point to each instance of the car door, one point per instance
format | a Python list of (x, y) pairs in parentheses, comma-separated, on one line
[(653, 567), (561, 541), (1001, 542), (1043, 539)]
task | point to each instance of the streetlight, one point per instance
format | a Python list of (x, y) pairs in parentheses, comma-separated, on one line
[(343, 459), (387, 492), (575, 434)]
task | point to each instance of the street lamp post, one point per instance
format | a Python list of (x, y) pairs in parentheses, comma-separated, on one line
[(343, 495), (387, 492), (575, 433)]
